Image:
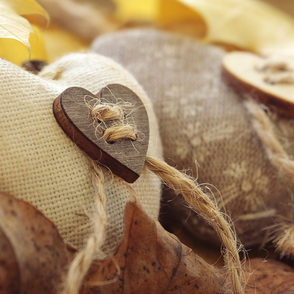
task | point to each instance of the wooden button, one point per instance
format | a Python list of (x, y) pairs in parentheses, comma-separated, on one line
[(254, 75), (124, 154)]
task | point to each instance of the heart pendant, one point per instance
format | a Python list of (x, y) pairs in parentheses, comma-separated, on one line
[(112, 127)]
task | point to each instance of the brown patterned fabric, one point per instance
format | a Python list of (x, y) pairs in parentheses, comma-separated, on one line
[(206, 128)]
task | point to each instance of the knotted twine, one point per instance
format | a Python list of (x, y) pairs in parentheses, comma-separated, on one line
[(180, 183), (202, 119)]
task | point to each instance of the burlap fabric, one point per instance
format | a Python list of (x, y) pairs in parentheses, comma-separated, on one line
[(205, 127), (41, 165)]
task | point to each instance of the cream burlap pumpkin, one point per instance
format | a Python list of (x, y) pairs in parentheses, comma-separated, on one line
[(41, 165), (202, 119)]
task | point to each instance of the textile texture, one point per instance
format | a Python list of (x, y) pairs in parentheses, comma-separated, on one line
[(41, 165), (206, 128)]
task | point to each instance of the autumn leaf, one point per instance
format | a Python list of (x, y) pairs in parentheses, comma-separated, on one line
[(137, 10), (250, 24), (16, 31), (33, 259), (151, 260), (268, 276), (32, 253)]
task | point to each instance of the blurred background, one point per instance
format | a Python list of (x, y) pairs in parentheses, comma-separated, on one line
[(74, 24)]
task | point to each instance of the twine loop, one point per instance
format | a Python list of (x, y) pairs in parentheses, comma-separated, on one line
[(104, 112), (279, 158), (278, 71), (118, 128)]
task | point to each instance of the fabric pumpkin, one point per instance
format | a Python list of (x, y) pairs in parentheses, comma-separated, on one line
[(41, 165)]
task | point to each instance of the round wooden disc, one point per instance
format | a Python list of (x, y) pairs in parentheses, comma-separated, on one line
[(241, 71)]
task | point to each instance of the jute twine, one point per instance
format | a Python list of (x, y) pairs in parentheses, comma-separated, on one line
[(278, 71), (83, 260), (177, 181), (279, 158)]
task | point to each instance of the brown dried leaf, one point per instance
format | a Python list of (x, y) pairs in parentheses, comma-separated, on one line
[(270, 276), (32, 253), (151, 260)]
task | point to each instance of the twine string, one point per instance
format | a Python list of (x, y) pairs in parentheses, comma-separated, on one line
[(176, 180), (277, 71), (273, 148), (81, 263), (115, 133), (279, 158), (103, 113), (208, 210)]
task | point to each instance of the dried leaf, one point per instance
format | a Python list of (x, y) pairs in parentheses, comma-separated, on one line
[(175, 16), (31, 10), (15, 17), (270, 276), (250, 24), (151, 260), (137, 10), (32, 253), (14, 51)]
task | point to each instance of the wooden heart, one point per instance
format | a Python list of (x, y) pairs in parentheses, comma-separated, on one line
[(125, 157)]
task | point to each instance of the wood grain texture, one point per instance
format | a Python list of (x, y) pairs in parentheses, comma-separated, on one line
[(125, 158)]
